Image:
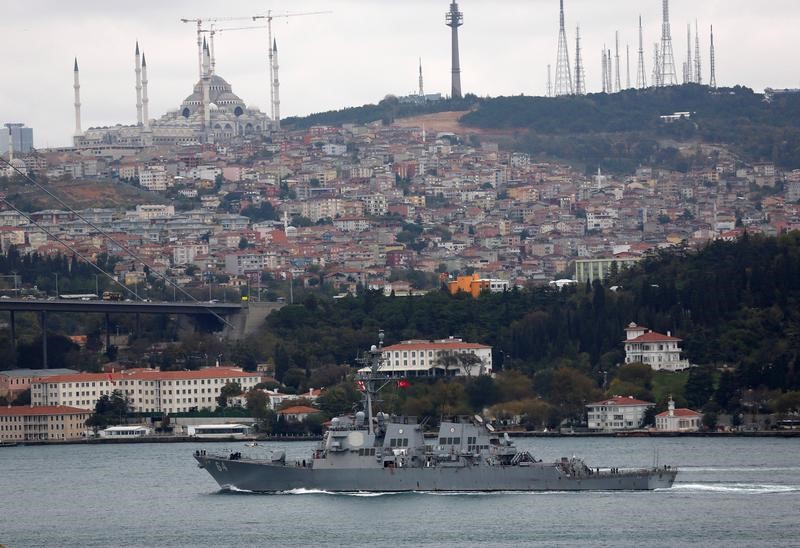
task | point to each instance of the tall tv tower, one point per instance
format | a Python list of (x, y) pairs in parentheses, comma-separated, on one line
[(455, 19), (641, 79), (549, 82), (563, 72), (713, 81), (668, 75), (580, 75), (698, 66)]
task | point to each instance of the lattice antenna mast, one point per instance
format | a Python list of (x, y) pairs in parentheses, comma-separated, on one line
[(609, 71), (605, 83), (455, 19), (698, 65), (668, 74), (713, 81), (656, 66), (618, 79), (688, 70), (563, 72), (641, 79), (580, 75), (627, 66)]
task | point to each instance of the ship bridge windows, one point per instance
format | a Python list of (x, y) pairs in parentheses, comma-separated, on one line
[(366, 452), (449, 441), (398, 442)]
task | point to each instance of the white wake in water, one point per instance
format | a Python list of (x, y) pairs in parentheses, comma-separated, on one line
[(754, 468), (742, 488)]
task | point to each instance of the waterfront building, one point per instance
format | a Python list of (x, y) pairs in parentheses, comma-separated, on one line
[(147, 391), (444, 357), (15, 381), (49, 422), (297, 413), (125, 432), (617, 413), (678, 420), (660, 352)]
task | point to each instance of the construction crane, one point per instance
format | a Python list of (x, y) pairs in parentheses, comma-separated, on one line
[(269, 17)]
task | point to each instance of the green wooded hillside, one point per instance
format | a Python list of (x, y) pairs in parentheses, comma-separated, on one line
[(735, 304)]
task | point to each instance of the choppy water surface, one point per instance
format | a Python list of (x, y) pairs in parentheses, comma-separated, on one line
[(729, 492)]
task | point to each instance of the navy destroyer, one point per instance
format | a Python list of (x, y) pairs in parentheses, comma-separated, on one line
[(382, 453)]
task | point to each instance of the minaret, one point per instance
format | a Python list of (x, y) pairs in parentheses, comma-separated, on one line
[(77, 87), (421, 88), (206, 84), (641, 76), (138, 86), (145, 100), (455, 19), (10, 146), (713, 59), (276, 86)]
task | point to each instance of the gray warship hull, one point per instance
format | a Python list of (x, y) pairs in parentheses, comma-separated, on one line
[(268, 477)]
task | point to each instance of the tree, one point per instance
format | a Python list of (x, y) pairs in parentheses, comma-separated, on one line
[(481, 392), (699, 387), (109, 409), (257, 404), (710, 420), (230, 390)]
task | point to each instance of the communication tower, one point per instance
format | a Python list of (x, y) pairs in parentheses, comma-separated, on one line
[(641, 79), (563, 72), (580, 75), (455, 19), (668, 75)]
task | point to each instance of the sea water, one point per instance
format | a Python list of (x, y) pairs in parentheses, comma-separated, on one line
[(729, 492)]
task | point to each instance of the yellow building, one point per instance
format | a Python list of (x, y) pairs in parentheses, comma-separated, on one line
[(474, 285), (47, 422)]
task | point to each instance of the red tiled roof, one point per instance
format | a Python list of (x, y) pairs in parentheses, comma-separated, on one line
[(621, 400), (443, 345), (21, 410), (682, 412), (653, 337), (298, 410), (209, 373)]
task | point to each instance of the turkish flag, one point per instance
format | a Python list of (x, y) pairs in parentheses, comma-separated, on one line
[(403, 383)]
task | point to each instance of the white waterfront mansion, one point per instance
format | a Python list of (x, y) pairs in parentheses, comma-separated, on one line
[(660, 352), (443, 357), (616, 413)]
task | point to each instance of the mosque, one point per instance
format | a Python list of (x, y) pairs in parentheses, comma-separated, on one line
[(211, 114)]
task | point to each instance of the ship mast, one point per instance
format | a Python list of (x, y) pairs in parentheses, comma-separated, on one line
[(373, 359)]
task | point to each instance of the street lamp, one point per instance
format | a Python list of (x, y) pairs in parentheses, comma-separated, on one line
[(56, 275)]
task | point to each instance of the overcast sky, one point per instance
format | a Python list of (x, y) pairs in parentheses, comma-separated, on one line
[(359, 53)]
